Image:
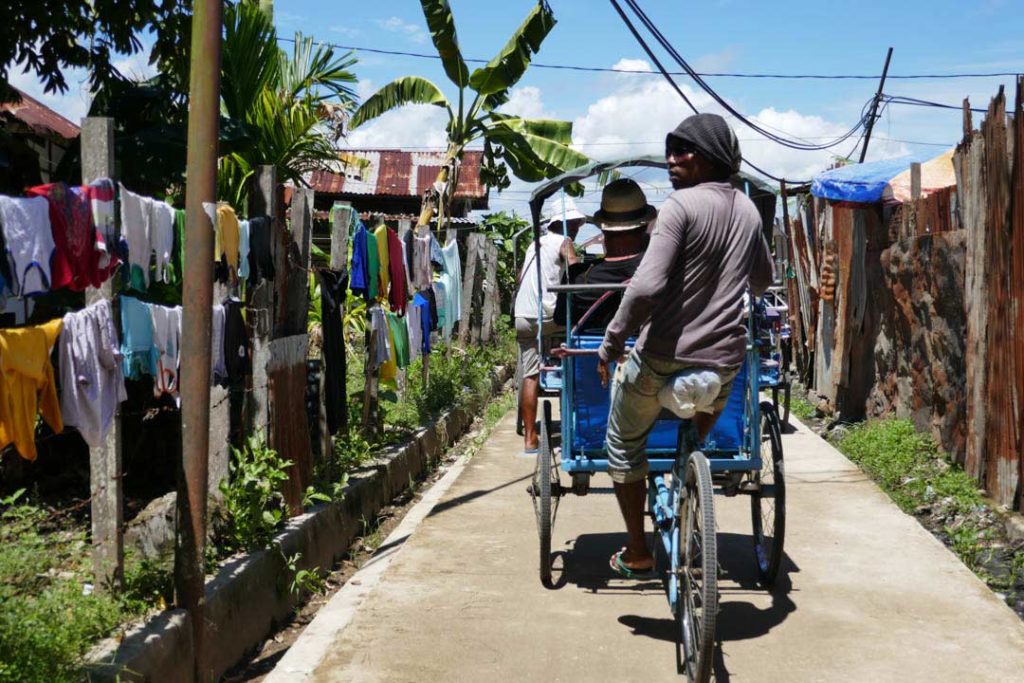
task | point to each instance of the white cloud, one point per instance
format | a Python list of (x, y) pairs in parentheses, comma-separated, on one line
[(526, 103), (397, 25), (345, 31), (136, 67), (415, 125)]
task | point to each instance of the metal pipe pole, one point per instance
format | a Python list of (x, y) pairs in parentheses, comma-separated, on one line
[(197, 297), (874, 106)]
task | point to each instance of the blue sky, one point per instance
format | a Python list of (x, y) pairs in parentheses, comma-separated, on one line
[(618, 114)]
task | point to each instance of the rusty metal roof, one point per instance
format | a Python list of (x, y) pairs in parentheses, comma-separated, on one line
[(40, 118), (398, 173)]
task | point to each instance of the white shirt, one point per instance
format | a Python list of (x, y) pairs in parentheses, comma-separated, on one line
[(551, 265)]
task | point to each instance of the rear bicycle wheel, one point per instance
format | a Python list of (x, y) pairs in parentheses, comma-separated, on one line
[(546, 490), (768, 501), (695, 571)]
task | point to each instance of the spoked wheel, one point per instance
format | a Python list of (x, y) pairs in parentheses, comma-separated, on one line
[(780, 399), (695, 571), (545, 490), (768, 501)]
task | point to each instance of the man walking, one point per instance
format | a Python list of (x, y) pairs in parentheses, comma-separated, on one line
[(531, 306), (686, 298)]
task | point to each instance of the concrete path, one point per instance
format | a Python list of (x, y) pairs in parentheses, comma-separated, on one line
[(868, 594)]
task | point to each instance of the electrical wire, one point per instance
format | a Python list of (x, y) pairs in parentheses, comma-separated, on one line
[(667, 46), (706, 74)]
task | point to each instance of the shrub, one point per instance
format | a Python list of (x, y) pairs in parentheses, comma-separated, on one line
[(253, 506)]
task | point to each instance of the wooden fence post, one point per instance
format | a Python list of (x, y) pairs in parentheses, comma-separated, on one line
[(469, 287), (262, 305), (106, 489), (491, 306)]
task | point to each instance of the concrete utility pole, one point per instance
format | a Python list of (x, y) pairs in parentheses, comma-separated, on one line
[(874, 106), (197, 297)]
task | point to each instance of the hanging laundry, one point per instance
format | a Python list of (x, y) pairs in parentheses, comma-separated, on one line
[(175, 270), (435, 317), (261, 259), (421, 271), (408, 251), (333, 284), (406, 255), (29, 243), (389, 368), (101, 195), (372, 266), (399, 341), (69, 224), (136, 337), (166, 349), (452, 278), (398, 295), (91, 378), (136, 216), (359, 274), (27, 386), (422, 305), (161, 237), (218, 369), (379, 329), (243, 250), (444, 321), (436, 255), (414, 329), (228, 238), (236, 344), (383, 261)]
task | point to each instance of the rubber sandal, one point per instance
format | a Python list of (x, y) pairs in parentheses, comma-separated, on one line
[(531, 451), (620, 568)]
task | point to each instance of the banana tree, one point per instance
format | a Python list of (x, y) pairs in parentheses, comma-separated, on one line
[(533, 149)]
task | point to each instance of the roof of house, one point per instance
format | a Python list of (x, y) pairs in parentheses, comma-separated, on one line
[(399, 173), (40, 118)]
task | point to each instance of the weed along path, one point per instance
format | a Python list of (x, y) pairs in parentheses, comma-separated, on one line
[(867, 594)]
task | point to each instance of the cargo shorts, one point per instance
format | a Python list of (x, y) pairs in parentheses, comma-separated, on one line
[(635, 408)]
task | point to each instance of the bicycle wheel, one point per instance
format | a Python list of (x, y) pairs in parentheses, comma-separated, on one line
[(768, 502), (695, 571), (546, 490)]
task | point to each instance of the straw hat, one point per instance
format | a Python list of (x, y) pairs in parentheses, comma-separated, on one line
[(623, 207)]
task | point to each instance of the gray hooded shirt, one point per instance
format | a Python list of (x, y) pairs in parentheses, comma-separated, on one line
[(686, 297)]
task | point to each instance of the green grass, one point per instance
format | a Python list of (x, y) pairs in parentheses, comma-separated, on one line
[(802, 408), (47, 619)]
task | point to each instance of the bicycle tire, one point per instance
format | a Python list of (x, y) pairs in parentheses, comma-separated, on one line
[(769, 519), (545, 511), (697, 611)]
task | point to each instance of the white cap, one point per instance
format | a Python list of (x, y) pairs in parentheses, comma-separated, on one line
[(555, 211)]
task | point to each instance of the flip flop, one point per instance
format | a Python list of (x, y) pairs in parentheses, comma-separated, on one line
[(620, 568), (531, 451)]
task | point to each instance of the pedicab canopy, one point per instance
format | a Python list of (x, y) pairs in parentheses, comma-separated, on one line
[(760, 192), (886, 181)]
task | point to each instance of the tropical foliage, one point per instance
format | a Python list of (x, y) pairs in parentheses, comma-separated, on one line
[(293, 105), (533, 149)]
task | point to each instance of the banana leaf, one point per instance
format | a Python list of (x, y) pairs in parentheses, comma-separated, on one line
[(401, 91), (442, 31), (509, 65)]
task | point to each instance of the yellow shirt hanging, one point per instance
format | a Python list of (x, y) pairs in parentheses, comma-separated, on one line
[(384, 278), (27, 387)]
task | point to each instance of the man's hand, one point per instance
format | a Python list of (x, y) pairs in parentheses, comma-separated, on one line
[(602, 372)]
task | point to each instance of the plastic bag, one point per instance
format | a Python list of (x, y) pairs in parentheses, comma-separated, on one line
[(691, 391)]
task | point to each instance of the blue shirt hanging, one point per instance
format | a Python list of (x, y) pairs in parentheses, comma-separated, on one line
[(359, 274)]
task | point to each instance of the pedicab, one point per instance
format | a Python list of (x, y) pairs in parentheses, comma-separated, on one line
[(742, 455)]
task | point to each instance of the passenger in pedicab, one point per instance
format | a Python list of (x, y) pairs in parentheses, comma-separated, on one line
[(556, 254), (623, 218), (686, 300)]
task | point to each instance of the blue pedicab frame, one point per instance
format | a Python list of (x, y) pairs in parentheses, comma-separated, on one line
[(742, 455)]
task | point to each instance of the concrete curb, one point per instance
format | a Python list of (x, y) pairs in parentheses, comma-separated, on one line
[(249, 596)]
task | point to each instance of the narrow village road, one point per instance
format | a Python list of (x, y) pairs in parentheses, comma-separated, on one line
[(868, 595)]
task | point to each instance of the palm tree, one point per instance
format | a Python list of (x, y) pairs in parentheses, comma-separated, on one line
[(533, 149), (292, 105)]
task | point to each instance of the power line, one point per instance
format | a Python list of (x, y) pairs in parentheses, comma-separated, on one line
[(709, 74)]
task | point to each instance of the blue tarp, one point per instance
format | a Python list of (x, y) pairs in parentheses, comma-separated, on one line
[(861, 182)]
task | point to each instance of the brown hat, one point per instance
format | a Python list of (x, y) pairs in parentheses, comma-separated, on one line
[(623, 207)]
